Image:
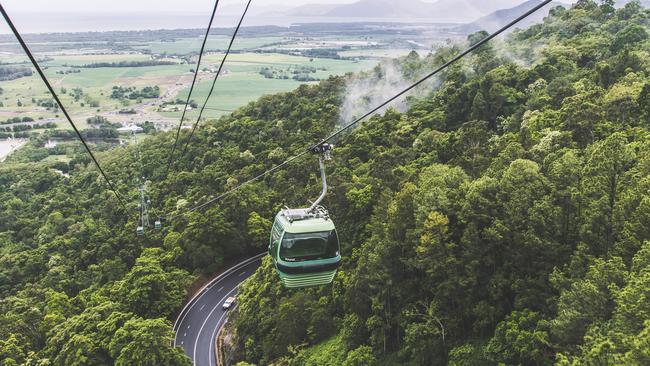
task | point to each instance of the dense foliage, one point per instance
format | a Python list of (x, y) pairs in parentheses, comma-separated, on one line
[(502, 218), (130, 92)]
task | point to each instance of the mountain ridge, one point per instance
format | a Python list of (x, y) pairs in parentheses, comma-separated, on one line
[(499, 18), (442, 10)]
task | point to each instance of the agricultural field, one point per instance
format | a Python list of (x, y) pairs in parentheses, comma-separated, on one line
[(243, 82), (239, 84), (184, 46), (95, 75)]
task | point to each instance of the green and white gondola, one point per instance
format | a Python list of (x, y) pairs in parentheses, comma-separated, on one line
[(305, 247), (304, 244)]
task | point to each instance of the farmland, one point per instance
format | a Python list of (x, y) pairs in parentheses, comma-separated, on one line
[(239, 84), (87, 68)]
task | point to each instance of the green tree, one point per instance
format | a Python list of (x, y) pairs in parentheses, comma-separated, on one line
[(639, 353), (81, 350), (361, 356), (146, 342), (519, 339), (468, 355), (11, 352), (644, 103), (486, 57), (258, 227), (588, 301), (424, 337), (606, 163), (152, 288), (628, 36), (607, 7)]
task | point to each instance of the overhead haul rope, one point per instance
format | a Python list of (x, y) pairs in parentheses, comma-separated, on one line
[(216, 77), (58, 101), (220, 109), (313, 147), (189, 95)]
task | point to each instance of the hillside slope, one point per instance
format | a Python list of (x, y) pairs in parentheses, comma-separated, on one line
[(79, 287), (499, 220)]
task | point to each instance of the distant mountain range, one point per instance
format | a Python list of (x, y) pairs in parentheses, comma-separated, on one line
[(476, 14), (499, 18), (440, 11), (502, 17)]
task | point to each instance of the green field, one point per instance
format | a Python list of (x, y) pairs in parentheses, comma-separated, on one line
[(241, 83), (215, 42), (232, 91), (245, 84), (77, 60)]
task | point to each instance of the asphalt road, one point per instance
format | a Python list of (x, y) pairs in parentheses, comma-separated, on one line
[(203, 316)]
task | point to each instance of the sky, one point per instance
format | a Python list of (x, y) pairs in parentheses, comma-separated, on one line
[(41, 16), (80, 6), (144, 5)]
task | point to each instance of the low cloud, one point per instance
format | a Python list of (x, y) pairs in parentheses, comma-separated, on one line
[(368, 90)]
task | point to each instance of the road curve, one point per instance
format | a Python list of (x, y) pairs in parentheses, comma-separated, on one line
[(197, 324)]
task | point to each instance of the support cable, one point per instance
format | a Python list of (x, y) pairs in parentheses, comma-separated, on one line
[(435, 72), (314, 147), (216, 77), (189, 95)]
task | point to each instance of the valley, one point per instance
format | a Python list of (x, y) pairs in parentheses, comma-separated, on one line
[(104, 74)]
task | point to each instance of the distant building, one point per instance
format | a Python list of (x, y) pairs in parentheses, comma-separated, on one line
[(50, 144), (61, 173), (130, 129)]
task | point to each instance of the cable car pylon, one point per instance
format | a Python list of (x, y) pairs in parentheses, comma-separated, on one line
[(144, 212), (145, 201)]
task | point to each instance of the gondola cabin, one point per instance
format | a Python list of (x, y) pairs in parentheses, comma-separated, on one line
[(305, 247)]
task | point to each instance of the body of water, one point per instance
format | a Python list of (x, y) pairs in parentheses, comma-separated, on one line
[(8, 146)]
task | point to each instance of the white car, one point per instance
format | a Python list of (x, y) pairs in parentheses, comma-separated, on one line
[(228, 303)]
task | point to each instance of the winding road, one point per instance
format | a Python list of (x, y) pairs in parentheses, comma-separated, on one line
[(200, 320)]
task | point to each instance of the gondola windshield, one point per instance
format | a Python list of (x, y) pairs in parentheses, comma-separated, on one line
[(309, 246)]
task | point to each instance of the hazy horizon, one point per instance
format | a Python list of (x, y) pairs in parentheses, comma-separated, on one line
[(83, 6), (38, 16)]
